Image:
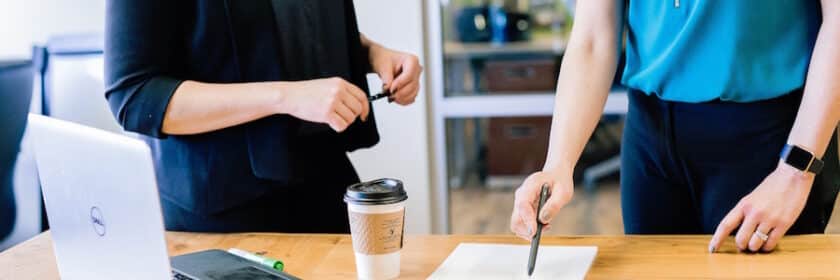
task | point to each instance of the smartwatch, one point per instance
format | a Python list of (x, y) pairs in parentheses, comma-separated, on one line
[(801, 159)]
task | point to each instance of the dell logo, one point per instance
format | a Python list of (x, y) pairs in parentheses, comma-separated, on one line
[(97, 220)]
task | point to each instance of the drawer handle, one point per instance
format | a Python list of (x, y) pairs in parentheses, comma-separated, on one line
[(520, 73), (521, 131)]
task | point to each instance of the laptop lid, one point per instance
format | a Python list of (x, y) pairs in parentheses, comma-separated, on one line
[(102, 202)]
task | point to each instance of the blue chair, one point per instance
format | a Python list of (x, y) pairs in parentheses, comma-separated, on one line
[(16, 79)]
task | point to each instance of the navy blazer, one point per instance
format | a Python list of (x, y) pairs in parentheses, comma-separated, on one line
[(151, 46)]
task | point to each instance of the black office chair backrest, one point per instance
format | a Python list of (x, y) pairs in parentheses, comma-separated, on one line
[(16, 78)]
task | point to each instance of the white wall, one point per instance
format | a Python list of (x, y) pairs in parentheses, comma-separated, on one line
[(24, 22), (403, 151)]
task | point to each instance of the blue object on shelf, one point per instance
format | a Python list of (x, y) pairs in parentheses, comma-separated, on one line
[(498, 23), (473, 24), (508, 26)]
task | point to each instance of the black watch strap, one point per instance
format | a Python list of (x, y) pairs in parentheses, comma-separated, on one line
[(817, 166), (801, 159)]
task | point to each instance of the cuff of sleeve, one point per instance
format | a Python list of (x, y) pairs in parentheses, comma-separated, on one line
[(147, 113)]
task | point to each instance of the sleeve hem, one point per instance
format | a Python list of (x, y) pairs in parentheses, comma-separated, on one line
[(146, 112)]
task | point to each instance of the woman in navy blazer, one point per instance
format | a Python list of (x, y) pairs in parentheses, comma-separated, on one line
[(249, 106)]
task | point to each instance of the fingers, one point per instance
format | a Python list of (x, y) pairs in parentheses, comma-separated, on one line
[(360, 97), (337, 122), (526, 200), (518, 226), (746, 231), (560, 195), (726, 226), (756, 242), (345, 113), (408, 73), (407, 95), (405, 72), (524, 219), (776, 235), (387, 76), (354, 105)]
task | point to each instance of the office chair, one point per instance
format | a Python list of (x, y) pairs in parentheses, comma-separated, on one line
[(16, 78), (74, 87), (69, 78)]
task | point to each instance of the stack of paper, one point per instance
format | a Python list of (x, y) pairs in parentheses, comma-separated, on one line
[(497, 261)]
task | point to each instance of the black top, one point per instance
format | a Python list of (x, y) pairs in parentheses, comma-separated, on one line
[(151, 46)]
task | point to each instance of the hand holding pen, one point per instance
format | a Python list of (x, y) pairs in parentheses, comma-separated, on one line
[(399, 71), (535, 241), (383, 94), (525, 216)]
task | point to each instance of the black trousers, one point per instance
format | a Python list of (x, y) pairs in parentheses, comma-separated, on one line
[(684, 166), (314, 206)]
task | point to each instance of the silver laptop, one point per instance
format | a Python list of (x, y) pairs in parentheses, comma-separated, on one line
[(102, 202), (104, 210)]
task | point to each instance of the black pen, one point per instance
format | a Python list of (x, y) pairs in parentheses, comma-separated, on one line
[(535, 242), (384, 93)]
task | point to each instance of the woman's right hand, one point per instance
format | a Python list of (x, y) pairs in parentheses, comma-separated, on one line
[(523, 221), (332, 101)]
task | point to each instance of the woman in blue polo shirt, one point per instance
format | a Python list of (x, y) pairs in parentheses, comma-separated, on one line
[(733, 105)]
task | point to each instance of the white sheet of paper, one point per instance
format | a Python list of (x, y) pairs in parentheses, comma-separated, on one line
[(500, 261)]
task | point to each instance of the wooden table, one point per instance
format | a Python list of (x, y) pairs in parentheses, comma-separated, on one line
[(619, 257)]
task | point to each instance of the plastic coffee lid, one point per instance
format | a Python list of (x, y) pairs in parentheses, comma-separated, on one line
[(376, 192)]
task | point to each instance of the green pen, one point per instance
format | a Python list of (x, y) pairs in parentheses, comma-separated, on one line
[(266, 261)]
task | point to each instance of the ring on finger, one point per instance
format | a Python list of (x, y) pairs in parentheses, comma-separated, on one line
[(761, 235)]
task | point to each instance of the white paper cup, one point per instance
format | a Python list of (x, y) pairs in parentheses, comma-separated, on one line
[(377, 213)]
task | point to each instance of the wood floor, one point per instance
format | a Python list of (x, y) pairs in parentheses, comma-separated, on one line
[(481, 211)]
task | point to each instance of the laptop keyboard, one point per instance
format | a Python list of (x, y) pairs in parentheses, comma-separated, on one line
[(179, 276)]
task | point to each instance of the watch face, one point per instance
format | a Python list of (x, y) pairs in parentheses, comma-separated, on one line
[(798, 158)]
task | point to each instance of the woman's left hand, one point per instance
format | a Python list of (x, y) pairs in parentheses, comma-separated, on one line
[(768, 211), (399, 71)]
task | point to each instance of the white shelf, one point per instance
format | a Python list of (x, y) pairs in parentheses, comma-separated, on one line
[(517, 105), (549, 45)]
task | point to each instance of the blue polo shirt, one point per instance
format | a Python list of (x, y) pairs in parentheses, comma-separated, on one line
[(732, 50)]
